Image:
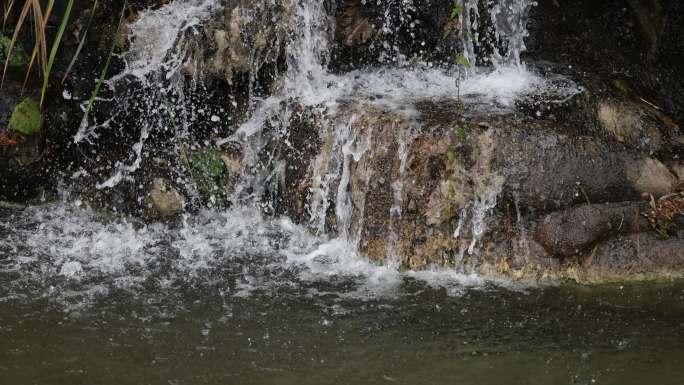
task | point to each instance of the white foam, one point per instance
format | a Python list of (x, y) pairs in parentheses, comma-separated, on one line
[(95, 254), (503, 85), (155, 34), (401, 88)]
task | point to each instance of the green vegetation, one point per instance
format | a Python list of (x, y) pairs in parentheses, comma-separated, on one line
[(26, 119), (461, 133), (18, 58), (38, 12), (54, 49), (108, 63), (456, 11), (82, 42), (39, 17), (462, 61), (457, 23), (210, 173)]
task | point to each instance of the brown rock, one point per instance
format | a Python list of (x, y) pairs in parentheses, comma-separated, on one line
[(636, 256), (577, 229), (650, 176), (164, 200)]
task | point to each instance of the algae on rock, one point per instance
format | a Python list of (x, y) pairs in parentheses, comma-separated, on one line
[(26, 118), (210, 175)]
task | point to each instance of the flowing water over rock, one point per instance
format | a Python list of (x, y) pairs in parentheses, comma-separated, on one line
[(337, 224), (329, 172)]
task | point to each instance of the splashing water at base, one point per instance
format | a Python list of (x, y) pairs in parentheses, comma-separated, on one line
[(73, 255), (233, 297)]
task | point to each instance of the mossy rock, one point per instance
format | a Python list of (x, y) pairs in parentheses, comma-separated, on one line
[(19, 57), (210, 174), (26, 119)]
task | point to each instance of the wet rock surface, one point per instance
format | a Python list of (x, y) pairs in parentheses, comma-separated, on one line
[(368, 32), (23, 162), (164, 201), (630, 42), (639, 256), (508, 195), (575, 230)]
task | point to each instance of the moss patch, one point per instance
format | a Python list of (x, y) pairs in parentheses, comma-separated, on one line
[(19, 58), (210, 174), (26, 119)]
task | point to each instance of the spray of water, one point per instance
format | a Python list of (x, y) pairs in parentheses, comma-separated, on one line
[(90, 255), (158, 42), (73, 255)]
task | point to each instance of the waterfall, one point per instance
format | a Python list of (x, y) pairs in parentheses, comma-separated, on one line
[(158, 56), (470, 18), (509, 23), (158, 44), (308, 52), (380, 142), (510, 19)]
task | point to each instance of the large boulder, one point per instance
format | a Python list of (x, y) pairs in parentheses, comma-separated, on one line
[(575, 230)]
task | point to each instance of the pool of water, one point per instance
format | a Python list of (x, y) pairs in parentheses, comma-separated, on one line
[(561, 335), (218, 299)]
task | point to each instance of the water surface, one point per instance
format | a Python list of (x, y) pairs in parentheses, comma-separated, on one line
[(221, 300)]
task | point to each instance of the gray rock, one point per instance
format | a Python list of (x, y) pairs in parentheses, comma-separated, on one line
[(165, 202), (577, 229), (550, 171), (636, 256)]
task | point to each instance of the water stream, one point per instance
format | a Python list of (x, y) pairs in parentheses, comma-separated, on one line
[(233, 296)]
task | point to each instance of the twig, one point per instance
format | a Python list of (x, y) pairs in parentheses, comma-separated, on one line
[(650, 104), (586, 197)]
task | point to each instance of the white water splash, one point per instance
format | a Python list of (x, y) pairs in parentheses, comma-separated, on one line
[(308, 52), (68, 252), (156, 54), (509, 22), (155, 46), (510, 19)]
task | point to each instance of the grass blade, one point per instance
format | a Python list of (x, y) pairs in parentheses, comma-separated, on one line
[(81, 43), (36, 46), (54, 49), (17, 28), (100, 80), (6, 8)]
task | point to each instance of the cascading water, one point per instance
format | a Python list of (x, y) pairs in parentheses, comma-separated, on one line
[(397, 88), (158, 48), (362, 210), (510, 19), (509, 23), (90, 255)]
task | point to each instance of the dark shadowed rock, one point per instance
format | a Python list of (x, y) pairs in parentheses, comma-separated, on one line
[(637, 256), (550, 171), (577, 229), (22, 149)]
